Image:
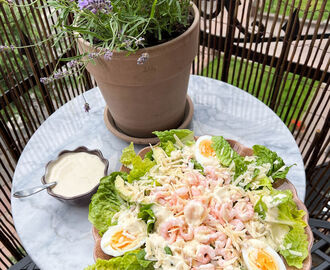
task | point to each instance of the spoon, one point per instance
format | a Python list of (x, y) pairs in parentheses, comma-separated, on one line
[(31, 191)]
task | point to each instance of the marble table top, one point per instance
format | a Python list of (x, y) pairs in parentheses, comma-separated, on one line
[(58, 236)]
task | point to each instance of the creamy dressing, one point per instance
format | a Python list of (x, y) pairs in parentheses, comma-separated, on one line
[(75, 173)]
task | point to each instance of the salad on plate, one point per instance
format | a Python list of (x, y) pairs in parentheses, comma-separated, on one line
[(197, 204)]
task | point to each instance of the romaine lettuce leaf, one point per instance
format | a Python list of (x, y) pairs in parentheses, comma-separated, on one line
[(278, 170), (287, 211), (261, 208), (197, 166), (186, 136), (168, 147), (223, 151), (226, 155), (149, 155), (140, 168), (128, 154), (240, 166), (148, 216), (131, 260), (259, 183), (105, 202), (295, 246)]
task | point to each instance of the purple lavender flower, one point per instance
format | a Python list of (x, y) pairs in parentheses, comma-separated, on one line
[(143, 58), (96, 5), (73, 63), (3, 48), (127, 43), (87, 107), (59, 74), (45, 80), (139, 41), (93, 55), (108, 55)]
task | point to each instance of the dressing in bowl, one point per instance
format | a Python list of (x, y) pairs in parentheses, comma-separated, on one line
[(77, 174)]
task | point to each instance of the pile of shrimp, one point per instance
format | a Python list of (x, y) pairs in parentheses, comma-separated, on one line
[(213, 225)]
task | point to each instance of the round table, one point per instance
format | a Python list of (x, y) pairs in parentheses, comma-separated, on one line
[(58, 236)]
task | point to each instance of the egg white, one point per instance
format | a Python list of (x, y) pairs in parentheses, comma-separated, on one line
[(106, 247), (253, 246), (204, 161)]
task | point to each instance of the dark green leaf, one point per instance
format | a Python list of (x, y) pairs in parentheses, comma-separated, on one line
[(148, 216), (185, 135), (105, 202), (223, 151), (168, 250)]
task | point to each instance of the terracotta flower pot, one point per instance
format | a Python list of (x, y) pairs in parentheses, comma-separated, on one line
[(152, 96)]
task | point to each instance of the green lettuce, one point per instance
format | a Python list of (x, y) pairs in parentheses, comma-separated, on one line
[(240, 166), (128, 154), (105, 202), (261, 208), (259, 183), (294, 247), (149, 155), (278, 170), (226, 155), (168, 147), (148, 216), (287, 209), (131, 260), (168, 250), (197, 166), (186, 136), (139, 167), (223, 151), (295, 242)]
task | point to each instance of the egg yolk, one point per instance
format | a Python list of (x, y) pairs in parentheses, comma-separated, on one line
[(205, 148), (263, 261), (119, 241)]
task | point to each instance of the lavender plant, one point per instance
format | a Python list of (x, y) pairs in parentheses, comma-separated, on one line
[(114, 26)]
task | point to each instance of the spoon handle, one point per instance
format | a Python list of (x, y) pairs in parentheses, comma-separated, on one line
[(31, 191)]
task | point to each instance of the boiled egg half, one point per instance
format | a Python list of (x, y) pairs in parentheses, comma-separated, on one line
[(117, 240), (204, 152), (259, 256)]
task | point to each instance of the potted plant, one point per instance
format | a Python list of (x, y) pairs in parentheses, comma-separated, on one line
[(138, 51)]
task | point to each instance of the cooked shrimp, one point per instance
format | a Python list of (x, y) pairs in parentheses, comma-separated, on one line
[(215, 208), (208, 266), (205, 254), (237, 224), (213, 176), (187, 232), (161, 197), (220, 243), (206, 235), (226, 252), (195, 192), (183, 193), (211, 221), (244, 210), (166, 229), (226, 211), (192, 179)]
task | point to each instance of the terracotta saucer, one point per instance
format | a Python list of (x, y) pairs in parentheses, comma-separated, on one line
[(110, 123)]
